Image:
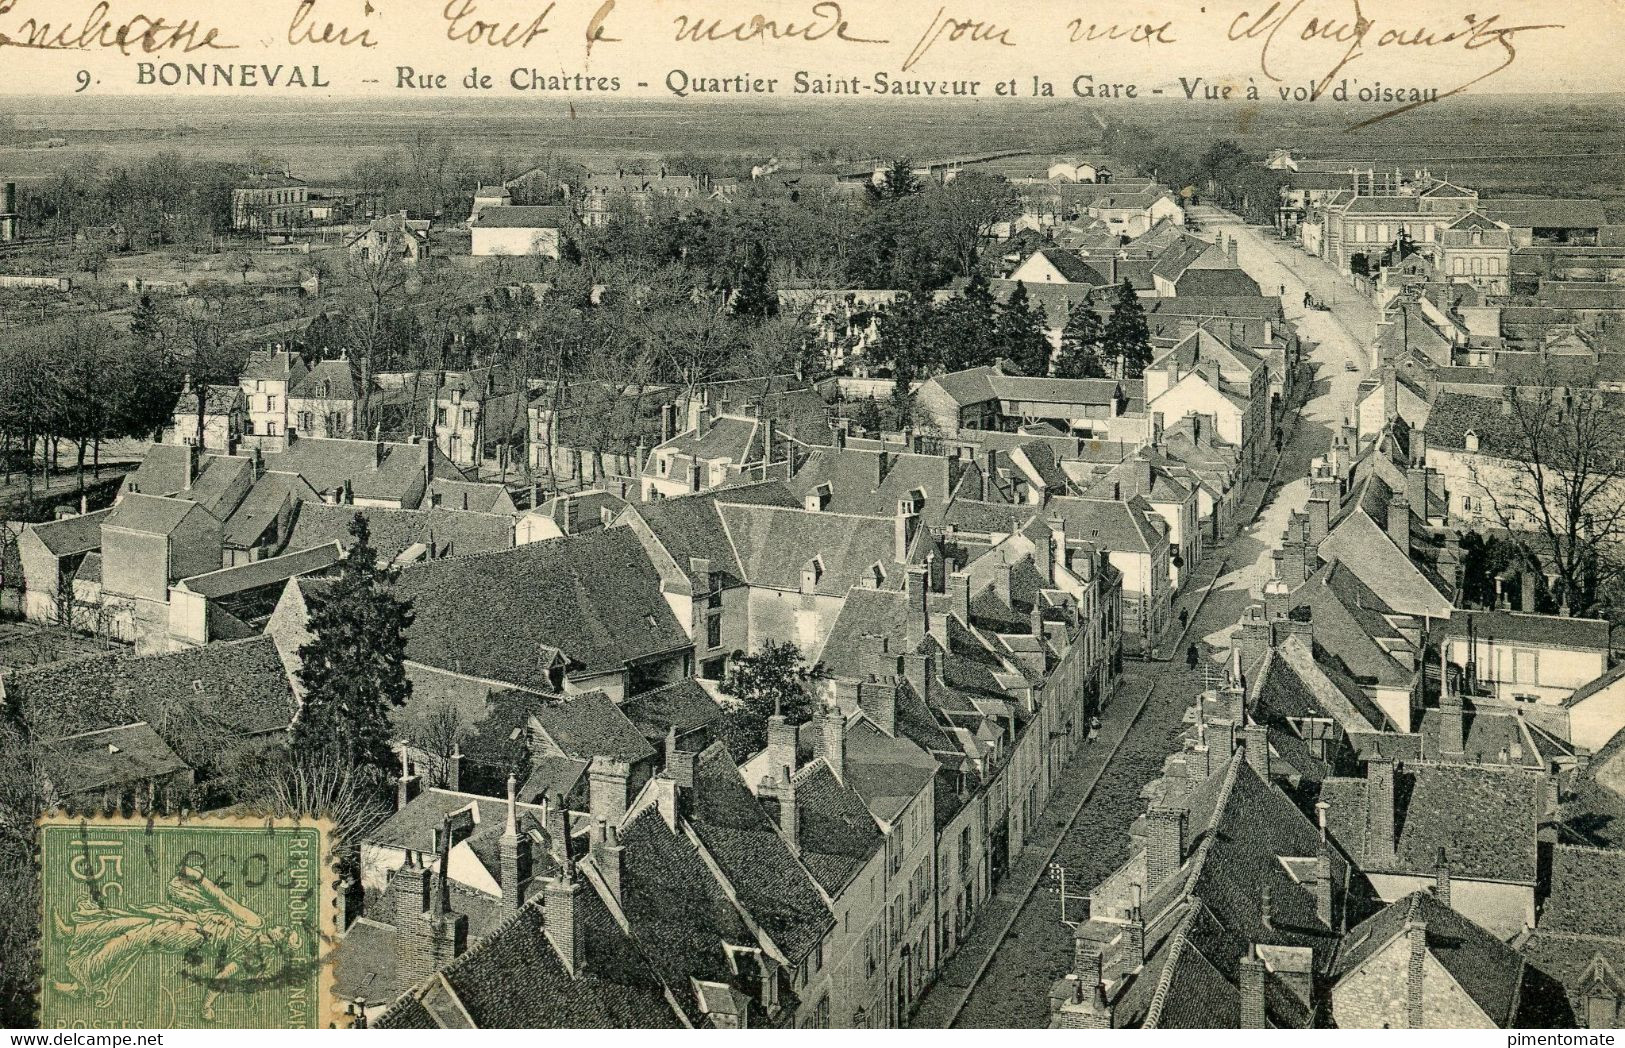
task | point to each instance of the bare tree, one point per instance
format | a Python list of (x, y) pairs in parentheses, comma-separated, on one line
[(1551, 471)]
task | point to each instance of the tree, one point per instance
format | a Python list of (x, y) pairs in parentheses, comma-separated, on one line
[(353, 669), (754, 294), (897, 181), (91, 256), (1127, 335), (1021, 337), (1550, 465), (1080, 345), (771, 682)]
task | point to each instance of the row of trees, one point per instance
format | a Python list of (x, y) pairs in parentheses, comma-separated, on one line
[(1221, 171)]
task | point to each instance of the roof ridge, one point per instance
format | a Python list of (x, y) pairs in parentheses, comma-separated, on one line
[(1159, 996)]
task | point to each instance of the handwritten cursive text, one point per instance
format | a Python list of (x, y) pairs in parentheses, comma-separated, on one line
[(971, 30), (100, 28)]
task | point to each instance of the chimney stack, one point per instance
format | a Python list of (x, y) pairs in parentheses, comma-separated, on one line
[(515, 855), (1165, 845), (1416, 933), (781, 746), (1251, 985), (1379, 799), (918, 599), (878, 700), (1399, 523), (607, 789), (833, 740), (610, 858), (1441, 877), (959, 595), (562, 919)]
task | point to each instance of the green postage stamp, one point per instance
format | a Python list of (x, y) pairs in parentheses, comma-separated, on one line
[(167, 923)]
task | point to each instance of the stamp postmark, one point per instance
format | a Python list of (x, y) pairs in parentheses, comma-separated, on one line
[(195, 923)]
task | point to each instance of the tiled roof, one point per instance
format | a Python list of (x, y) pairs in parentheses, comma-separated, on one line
[(71, 535), (220, 400), (1487, 969), (888, 773), (588, 724), (130, 753), (1587, 894), (1069, 265), (1485, 819), (186, 696), (513, 979), (837, 833), (1118, 526), (856, 486), (275, 366), (452, 532), (690, 526), (1216, 282), (684, 705), (1554, 631), (1342, 632), (770, 884), (594, 597)]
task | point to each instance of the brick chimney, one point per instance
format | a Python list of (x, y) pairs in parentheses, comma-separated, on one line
[(695, 475), (1379, 814), (832, 738), (1176, 781), (779, 790), (514, 851), (1320, 516), (1257, 744), (1252, 638), (1057, 550), (1416, 933), (454, 768), (562, 919), (1452, 736), (608, 783), (406, 787), (1001, 581), (609, 857), (781, 747), (1164, 845), (878, 700), (1399, 523), (917, 594), (1276, 597), (904, 524), (1441, 877), (1250, 979), (959, 596)]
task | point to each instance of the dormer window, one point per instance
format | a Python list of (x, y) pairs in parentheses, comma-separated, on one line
[(811, 574), (877, 576), (1469, 440)]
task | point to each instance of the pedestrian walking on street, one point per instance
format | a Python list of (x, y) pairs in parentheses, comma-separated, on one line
[(1094, 728), (1191, 657), (1184, 618)]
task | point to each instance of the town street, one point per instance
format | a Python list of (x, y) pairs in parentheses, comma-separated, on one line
[(1001, 975)]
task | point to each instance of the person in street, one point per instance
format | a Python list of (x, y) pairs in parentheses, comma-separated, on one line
[(1191, 656), (1184, 618), (1094, 728)]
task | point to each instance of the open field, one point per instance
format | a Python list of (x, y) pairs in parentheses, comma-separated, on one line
[(1564, 145)]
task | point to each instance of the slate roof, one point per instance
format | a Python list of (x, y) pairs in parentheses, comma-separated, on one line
[(1122, 526), (691, 526), (594, 597), (520, 216), (327, 464), (888, 773), (94, 760), (466, 496), (151, 514), (837, 833), (1216, 282), (1485, 819), (1582, 919), (1488, 970), (238, 687), (852, 473), (338, 375), (770, 884), (1292, 685), (272, 571), (220, 400), (70, 536), (416, 826), (774, 544), (262, 504), (453, 532)]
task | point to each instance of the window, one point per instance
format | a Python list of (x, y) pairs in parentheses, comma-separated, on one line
[(468, 416), (440, 416), (713, 631), (270, 402)]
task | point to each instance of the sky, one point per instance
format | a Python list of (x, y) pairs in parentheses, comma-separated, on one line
[(1091, 50)]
